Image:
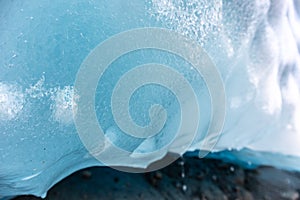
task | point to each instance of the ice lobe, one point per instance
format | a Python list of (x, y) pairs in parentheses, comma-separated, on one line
[(255, 45)]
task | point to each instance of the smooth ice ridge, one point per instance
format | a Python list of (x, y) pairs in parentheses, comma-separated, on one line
[(255, 45)]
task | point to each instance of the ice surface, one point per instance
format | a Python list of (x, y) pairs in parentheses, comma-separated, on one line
[(255, 45)]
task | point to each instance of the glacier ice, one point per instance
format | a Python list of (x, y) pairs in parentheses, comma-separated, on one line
[(254, 44)]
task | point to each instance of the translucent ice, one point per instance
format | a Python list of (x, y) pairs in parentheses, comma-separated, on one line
[(255, 45)]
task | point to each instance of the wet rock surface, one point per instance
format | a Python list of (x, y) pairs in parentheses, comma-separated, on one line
[(191, 178)]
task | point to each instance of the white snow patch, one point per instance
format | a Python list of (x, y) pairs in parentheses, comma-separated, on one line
[(11, 101), (37, 90), (63, 103)]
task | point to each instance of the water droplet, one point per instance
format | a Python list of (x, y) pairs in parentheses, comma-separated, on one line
[(182, 175), (214, 177)]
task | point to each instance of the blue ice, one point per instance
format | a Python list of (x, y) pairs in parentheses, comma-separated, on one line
[(254, 44)]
